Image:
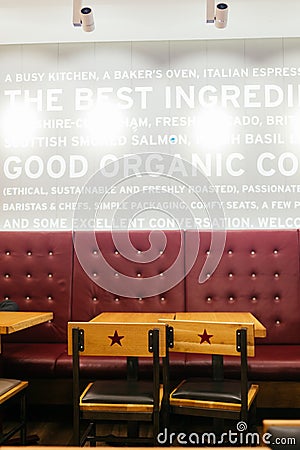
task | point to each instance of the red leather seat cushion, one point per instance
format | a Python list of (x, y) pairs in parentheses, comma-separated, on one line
[(275, 362), (112, 368), (31, 360), (271, 362)]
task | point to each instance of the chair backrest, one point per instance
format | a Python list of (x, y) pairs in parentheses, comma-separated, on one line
[(117, 339), (213, 338)]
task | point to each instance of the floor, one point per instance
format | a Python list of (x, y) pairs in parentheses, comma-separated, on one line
[(52, 426)]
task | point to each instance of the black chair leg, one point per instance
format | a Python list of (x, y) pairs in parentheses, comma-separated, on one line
[(92, 438), (218, 426), (133, 430), (23, 430), (252, 421)]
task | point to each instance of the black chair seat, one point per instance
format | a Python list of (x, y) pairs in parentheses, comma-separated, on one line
[(209, 390), (120, 391), (6, 384), (284, 437)]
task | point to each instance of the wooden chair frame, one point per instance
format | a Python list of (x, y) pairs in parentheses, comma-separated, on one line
[(152, 342), (18, 393), (281, 433), (219, 339)]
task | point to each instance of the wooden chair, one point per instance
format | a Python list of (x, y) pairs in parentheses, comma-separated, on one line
[(215, 397), (13, 390), (281, 433), (131, 400)]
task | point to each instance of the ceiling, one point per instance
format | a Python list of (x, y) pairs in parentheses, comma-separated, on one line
[(32, 21)]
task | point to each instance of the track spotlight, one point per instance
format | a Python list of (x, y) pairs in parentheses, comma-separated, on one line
[(87, 19), (221, 15), (217, 15), (83, 16)]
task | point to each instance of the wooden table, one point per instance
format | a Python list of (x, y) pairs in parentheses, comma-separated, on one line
[(142, 317), (12, 321)]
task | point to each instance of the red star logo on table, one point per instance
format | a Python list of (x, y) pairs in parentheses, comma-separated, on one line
[(116, 339), (205, 337)]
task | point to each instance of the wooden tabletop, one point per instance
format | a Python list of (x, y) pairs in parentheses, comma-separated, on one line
[(236, 317), (12, 321), (142, 317)]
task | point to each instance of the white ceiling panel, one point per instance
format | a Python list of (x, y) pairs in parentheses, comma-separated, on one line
[(32, 21)]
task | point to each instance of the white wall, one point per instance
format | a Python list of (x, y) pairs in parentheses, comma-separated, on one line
[(98, 120)]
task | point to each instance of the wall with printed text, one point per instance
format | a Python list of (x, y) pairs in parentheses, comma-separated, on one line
[(159, 135)]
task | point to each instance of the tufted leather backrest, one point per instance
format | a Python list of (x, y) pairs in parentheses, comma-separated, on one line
[(98, 262), (258, 272), (36, 272)]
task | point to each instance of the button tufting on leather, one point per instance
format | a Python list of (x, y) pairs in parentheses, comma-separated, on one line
[(50, 275), (29, 275), (7, 275), (50, 253), (253, 275), (253, 252), (7, 252), (275, 251), (276, 275), (138, 275), (29, 253)]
